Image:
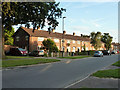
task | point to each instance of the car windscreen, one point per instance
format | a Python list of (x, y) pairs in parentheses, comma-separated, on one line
[(21, 49), (41, 51), (96, 51)]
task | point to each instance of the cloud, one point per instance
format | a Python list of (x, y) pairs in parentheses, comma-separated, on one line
[(93, 22)]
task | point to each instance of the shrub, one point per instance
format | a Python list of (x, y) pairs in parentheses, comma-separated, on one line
[(45, 55)]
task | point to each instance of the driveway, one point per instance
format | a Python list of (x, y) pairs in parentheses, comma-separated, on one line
[(55, 75)]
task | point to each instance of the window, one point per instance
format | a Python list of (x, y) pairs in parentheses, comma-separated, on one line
[(78, 49), (17, 38), (73, 49), (73, 41), (87, 48), (63, 48), (40, 38), (68, 41), (78, 42), (68, 48), (56, 40), (26, 37), (91, 48), (39, 47), (58, 47), (82, 42)]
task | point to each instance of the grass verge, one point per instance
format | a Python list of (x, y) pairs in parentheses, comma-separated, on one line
[(75, 57), (16, 57), (111, 73), (117, 63), (13, 63)]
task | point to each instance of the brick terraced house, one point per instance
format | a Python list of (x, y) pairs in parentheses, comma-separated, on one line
[(26, 38)]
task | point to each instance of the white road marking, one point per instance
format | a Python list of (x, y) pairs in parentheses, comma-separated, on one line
[(76, 82)]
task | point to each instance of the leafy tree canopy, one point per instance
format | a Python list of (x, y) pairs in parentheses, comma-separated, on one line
[(107, 39), (96, 39), (50, 45), (8, 36), (14, 13)]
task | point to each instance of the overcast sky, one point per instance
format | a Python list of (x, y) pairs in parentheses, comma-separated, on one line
[(86, 17)]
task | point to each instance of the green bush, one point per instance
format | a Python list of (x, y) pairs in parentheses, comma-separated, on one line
[(92, 52), (45, 55), (83, 53), (87, 52)]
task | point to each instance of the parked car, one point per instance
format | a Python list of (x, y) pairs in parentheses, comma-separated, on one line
[(37, 53), (106, 52), (113, 52), (17, 51), (98, 54)]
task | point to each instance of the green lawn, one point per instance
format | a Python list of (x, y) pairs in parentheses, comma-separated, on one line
[(16, 57), (117, 63), (111, 73), (75, 57), (13, 63)]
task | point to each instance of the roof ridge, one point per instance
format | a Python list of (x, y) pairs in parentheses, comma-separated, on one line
[(44, 33)]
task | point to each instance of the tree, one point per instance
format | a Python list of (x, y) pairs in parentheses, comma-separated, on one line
[(25, 12), (8, 39), (50, 45), (107, 39), (14, 13), (96, 39)]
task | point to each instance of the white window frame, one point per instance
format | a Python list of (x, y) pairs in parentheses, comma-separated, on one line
[(78, 48), (17, 38), (68, 41), (87, 49), (68, 49), (78, 42), (74, 49), (56, 40), (38, 47), (73, 41), (26, 38), (40, 38)]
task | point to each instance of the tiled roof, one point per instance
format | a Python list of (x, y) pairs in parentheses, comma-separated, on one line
[(115, 44), (43, 33)]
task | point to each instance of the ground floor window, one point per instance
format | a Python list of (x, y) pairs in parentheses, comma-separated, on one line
[(73, 49), (38, 48)]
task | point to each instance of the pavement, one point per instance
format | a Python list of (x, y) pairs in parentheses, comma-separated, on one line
[(55, 75), (96, 82)]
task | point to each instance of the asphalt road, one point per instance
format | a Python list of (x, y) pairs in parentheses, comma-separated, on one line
[(55, 75)]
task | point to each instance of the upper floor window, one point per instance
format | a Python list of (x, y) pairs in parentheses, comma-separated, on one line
[(68, 41), (26, 37), (40, 38), (56, 40), (17, 38), (78, 42), (73, 41)]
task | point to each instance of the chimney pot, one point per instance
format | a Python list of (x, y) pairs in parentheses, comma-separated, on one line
[(64, 32), (81, 35), (73, 33), (53, 30), (38, 28)]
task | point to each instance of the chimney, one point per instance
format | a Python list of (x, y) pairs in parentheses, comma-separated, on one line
[(73, 33), (53, 30), (81, 35), (64, 32), (38, 27)]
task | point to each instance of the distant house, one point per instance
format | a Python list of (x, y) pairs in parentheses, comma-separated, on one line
[(116, 46), (26, 38)]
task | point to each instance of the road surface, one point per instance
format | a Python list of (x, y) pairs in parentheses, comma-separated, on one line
[(55, 75)]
